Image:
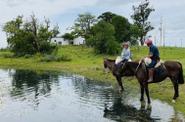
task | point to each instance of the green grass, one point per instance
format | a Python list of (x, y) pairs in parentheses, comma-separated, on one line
[(85, 62)]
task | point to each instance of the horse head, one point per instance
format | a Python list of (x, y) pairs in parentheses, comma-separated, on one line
[(108, 64)]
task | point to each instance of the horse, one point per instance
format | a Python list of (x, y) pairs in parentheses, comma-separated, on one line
[(110, 65), (171, 69), (116, 70)]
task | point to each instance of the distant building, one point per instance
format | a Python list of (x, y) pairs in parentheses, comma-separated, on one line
[(78, 41), (62, 41), (59, 41)]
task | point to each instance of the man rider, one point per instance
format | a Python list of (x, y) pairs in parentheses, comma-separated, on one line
[(154, 56)]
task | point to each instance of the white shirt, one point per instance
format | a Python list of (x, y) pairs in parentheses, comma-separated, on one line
[(125, 54)]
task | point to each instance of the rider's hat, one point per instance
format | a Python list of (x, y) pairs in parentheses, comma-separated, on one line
[(125, 44), (148, 41)]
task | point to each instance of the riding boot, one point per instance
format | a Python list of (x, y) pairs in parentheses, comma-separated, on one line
[(151, 73)]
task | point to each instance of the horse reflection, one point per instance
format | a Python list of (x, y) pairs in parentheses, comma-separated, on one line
[(120, 112)]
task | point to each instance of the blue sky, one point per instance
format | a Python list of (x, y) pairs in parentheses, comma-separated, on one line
[(64, 13)]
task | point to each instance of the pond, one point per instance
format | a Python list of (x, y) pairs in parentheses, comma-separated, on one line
[(43, 96)]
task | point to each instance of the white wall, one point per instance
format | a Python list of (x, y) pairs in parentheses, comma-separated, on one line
[(79, 41), (60, 41)]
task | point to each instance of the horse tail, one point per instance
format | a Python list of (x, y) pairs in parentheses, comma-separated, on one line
[(181, 78)]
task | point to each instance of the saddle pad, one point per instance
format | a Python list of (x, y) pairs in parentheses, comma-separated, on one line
[(118, 60), (147, 61), (159, 63)]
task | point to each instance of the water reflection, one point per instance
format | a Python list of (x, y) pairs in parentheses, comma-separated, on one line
[(121, 112), (29, 85), (29, 96)]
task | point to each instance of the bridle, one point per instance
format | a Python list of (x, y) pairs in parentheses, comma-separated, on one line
[(140, 62)]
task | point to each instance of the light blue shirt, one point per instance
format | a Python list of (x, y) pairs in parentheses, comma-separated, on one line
[(125, 54)]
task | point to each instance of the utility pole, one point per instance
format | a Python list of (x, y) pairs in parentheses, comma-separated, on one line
[(162, 33), (181, 42), (164, 29), (155, 37)]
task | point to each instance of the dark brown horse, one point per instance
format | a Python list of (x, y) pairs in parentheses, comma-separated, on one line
[(171, 69), (110, 64), (117, 71)]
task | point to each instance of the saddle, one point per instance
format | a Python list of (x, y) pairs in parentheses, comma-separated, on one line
[(159, 68), (147, 61)]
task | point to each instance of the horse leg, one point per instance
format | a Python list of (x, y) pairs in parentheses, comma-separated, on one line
[(120, 82), (142, 92), (176, 89), (147, 93)]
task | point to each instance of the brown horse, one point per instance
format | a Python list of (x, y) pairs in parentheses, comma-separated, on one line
[(110, 64), (117, 70), (171, 69)]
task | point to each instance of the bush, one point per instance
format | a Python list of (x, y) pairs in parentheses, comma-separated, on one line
[(27, 56), (8, 55)]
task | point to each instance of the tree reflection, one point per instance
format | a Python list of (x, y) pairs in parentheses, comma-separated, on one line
[(31, 84)]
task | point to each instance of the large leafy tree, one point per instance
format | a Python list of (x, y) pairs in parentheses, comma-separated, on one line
[(29, 37), (122, 27), (120, 24), (102, 38), (140, 18), (134, 34), (107, 17), (83, 24)]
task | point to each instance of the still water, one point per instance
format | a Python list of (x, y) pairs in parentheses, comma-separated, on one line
[(37, 96)]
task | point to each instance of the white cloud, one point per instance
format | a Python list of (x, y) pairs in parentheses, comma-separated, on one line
[(11, 8), (171, 11)]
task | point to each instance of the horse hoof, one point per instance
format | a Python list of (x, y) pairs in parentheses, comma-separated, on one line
[(149, 106), (143, 104), (173, 101), (121, 90)]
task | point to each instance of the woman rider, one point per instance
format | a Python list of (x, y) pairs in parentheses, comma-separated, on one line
[(154, 56), (125, 54)]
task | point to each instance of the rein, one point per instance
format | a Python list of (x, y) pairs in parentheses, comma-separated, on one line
[(138, 65)]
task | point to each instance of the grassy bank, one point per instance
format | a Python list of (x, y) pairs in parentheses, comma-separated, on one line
[(85, 62)]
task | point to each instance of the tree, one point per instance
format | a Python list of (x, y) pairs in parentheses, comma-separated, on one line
[(102, 38), (134, 33), (68, 36), (29, 37), (107, 17), (120, 24), (140, 18), (83, 24), (122, 27)]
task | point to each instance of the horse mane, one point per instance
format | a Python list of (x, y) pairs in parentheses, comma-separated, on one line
[(110, 60)]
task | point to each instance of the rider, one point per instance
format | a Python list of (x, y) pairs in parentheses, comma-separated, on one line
[(125, 54), (154, 56)]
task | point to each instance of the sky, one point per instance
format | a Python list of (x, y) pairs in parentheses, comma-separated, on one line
[(64, 13)]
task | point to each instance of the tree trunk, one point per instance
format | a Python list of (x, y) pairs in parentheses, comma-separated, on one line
[(34, 31), (141, 41)]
